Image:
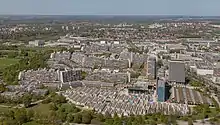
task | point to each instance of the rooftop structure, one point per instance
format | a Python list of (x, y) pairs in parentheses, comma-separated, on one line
[(111, 77), (175, 47), (203, 68), (70, 75), (176, 72), (114, 101), (188, 96)]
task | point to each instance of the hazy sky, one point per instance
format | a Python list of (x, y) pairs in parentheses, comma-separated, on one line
[(111, 7)]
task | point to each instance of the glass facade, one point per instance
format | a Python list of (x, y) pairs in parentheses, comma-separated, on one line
[(161, 91)]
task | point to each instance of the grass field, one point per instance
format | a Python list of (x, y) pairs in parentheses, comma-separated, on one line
[(4, 109), (4, 62), (43, 109)]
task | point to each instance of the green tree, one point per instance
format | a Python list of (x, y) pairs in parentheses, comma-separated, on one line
[(27, 100), (159, 63), (58, 99), (86, 117), (117, 120), (109, 121), (21, 116), (77, 118), (52, 118), (128, 121), (70, 117), (152, 122), (108, 115), (139, 119), (84, 74), (100, 117), (12, 55), (70, 108), (9, 122), (62, 116), (10, 114), (53, 107), (30, 114), (190, 122)]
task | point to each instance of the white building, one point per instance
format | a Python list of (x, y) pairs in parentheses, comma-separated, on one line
[(102, 42), (204, 69), (216, 75), (38, 43)]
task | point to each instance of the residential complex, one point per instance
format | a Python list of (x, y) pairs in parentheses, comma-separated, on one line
[(124, 69)]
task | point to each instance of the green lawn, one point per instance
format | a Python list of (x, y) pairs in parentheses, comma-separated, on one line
[(4, 110), (43, 109), (4, 62)]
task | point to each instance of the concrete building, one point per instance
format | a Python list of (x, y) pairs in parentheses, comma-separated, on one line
[(203, 68), (103, 100), (70, 75), (184, 95), (138, 90), (151, 68), (172, 47), (216, 75), (176, 72)]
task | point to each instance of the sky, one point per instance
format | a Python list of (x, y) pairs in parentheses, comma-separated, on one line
[(111, 7)]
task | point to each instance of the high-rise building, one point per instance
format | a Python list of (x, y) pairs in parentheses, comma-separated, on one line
[(151, 68), (161, 90), (176, 72)]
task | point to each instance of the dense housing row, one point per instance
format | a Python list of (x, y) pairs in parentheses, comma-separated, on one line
[(114, 101), (189, 96), (50, 76)]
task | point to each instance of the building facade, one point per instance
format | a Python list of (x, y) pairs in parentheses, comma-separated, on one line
[(37, 43), (161, 90), (176, 72), (151, 68), (70, 75)]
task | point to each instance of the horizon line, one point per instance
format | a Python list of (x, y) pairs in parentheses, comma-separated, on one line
[(109, 15)]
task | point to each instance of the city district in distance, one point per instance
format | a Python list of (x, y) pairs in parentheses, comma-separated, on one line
[(118, 70)]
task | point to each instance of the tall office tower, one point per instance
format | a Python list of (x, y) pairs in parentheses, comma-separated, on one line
[(151, 68), (176, 72), (161, 90)]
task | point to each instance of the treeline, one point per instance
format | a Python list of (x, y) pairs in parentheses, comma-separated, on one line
[(31, 35), (19, 116), (60, 111), (25, 99), (16, 51), (38, 60), (67, 113)]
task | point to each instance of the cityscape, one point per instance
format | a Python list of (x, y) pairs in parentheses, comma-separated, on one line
[(109, 70)]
